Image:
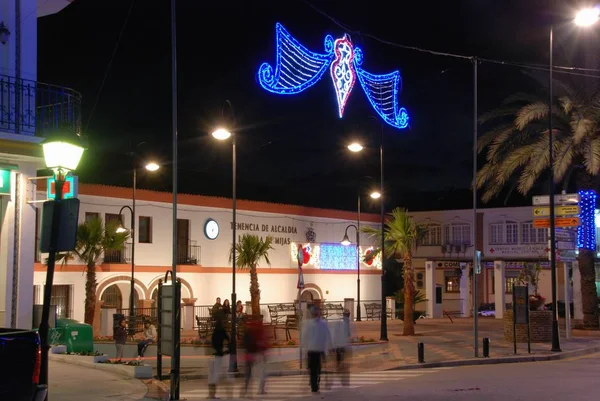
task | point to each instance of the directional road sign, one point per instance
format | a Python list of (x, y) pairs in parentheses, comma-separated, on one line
[(558, 211), (544, 200), (567, 255), (558, 222)]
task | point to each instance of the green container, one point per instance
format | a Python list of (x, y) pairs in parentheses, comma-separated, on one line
[(78, 337), (56, 336)]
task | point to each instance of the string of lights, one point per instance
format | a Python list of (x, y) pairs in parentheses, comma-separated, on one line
[(569, 70)]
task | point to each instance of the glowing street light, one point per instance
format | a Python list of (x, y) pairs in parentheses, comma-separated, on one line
[(221, 134), (354, 147), (346, 241), (587, 16), (152, 166), (375, 195)]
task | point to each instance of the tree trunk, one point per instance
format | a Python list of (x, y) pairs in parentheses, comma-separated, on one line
[(589, 298), (90, 293), (409, 294), (254, 292)]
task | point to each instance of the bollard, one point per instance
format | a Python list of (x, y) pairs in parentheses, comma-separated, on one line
[(421, 352), (486, 347)]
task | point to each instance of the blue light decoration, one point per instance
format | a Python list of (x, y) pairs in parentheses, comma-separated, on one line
[(297, 69), (337, 257), (586, 232)]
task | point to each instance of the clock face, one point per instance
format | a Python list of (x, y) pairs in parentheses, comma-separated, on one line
[(211, 229)]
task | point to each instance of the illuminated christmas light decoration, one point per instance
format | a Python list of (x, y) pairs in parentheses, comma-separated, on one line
[(342, 73), (586, 232), (297, 69), (337, 257)]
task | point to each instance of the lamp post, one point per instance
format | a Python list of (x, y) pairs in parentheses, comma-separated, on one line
[(585, 17), (357, 147), (62, 155), (346, 241), (223, 134), (152, 166)]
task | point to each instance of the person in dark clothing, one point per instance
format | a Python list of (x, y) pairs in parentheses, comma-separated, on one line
[(226, 307), (120, 337), (256, 347), (219, 337)]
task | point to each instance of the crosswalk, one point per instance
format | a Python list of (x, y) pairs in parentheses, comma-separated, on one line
[(279, 388)]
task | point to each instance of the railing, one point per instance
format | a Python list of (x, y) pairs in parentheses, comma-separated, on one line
[(202, 311), (141, 314), (121, 256), (28, 107), (188, 254)]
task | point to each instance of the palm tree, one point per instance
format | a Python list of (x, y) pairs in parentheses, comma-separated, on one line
[(518, 156), (94, 239), (250, 249), (401, 235)]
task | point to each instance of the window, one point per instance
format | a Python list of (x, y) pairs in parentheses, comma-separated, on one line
[(145, 230), (504, 233), (532, 235), (433, 236), (91, 215), (112, 297), (451, 282), (510, 279), (457, 234), (508, 286)]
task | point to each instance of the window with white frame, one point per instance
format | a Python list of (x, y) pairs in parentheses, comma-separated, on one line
[(457, 233), (532, 235), (506, 232), (433, 236)]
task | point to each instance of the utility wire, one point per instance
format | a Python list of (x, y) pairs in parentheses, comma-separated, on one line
[(557, 68), (112, 57)]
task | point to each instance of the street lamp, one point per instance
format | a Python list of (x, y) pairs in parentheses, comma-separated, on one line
[(357, 147), (585, 17), (346, 241), (152, 166), (62, 155), (375, 195), (223, 134)]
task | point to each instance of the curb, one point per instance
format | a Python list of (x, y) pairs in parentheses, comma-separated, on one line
[(130, 372), (501, 360)]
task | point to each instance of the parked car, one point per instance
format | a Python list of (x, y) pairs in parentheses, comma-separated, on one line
[(20, 360)]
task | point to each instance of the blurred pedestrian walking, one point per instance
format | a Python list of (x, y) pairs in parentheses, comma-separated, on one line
[(219, 337), (316, 339), (255, 341), (341, 334)]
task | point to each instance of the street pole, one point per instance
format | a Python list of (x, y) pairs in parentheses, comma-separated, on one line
[(358, 317), (555, 338), (233, 344), (475, 275), (383, 334), (54, 233), (132, 232), (175, 359)]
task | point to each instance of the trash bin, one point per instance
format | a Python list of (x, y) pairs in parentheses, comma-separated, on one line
[(78, 337), (56, 336)]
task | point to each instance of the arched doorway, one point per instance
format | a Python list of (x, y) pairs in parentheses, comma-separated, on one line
[(112, 297), (309, 295)]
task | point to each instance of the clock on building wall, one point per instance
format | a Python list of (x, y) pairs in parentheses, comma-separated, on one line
[(211, 229)]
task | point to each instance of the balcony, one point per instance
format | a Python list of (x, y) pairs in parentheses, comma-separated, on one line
[(30, 107), (188, 254), (122, 256)]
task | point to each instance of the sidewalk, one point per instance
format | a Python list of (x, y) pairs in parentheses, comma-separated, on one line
[(444, 342), (75, 383)]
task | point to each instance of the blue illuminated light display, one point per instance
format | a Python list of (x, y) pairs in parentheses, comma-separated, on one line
[(297, 69), (337, 257), (586, 232)]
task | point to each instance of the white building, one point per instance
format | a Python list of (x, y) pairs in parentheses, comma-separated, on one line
[(27, 108), (330, 273)]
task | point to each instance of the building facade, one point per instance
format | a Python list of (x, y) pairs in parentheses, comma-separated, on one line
[(28, 108), (506, 236)]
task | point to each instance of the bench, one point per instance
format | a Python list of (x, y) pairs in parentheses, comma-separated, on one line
[(291, 323), (279, 314), (374, 311), (205, 325), (333, 311)]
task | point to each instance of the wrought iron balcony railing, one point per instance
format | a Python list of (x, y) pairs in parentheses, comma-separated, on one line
[(121, 256), (30, 107), (188, 254)]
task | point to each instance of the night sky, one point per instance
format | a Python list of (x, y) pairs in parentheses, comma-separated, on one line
[(292, 149)]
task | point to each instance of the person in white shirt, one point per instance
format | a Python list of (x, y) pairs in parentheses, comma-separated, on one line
[(149, 338), (341, 335), (316, 341)]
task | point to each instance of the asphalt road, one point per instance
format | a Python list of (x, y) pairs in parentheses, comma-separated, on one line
[(567, 380)]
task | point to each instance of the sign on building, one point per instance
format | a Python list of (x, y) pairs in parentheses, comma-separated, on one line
[(558, 211), (564, 199), (4, 182), (69, 188)]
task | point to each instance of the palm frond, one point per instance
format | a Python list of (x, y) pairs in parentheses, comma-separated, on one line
[(497, 113), (540, 160), (486, 139), (250, 249), (566, 104), (591, 156), (581, 127), (530, 113), (563, 158)]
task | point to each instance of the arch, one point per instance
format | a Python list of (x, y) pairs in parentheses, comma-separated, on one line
[(138, 285), (154, 285), (112, 296), (313, 288)]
